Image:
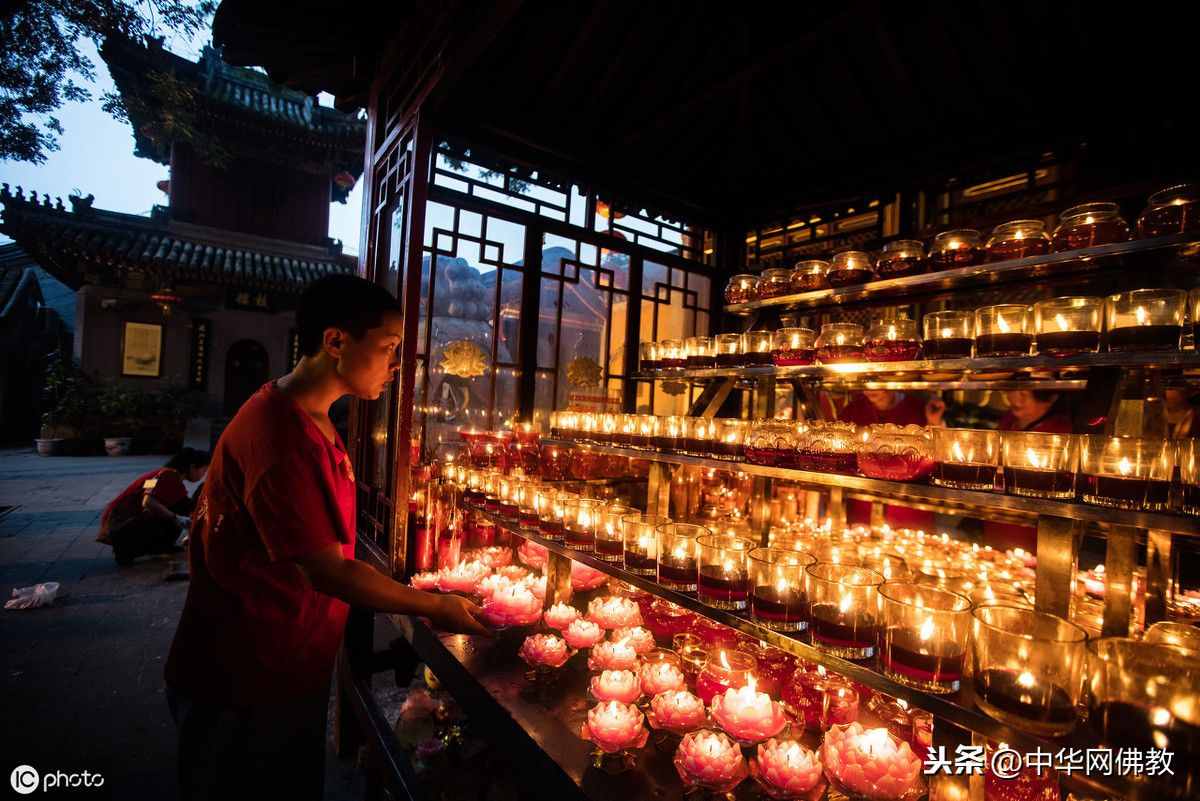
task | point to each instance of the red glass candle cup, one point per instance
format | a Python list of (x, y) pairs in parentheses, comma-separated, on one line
[(777, 580), (724, 669), (830, 447), (839, 343), (844, 612), (794, 346), (678, 555), (774, 282), (925, 635), (1018, 239), (809, 275), (817, 699), (892, 341), (1088, 225), (900, 258), (1174, 210), (851, 267), (741, 289), (895, 453), (962, 247), (723, 580), (948, 334)]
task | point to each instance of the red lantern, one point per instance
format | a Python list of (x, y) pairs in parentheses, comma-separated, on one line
[(345, 181)]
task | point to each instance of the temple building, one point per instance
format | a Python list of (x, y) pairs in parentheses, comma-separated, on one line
[(201, 293)]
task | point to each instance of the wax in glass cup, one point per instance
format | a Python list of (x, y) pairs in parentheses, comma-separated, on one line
[(1188, 456), (756, 348), (723, 670), (607, 432), (1067, 326), (895, 453), (772, 443), (1145, 319), (1003, 330), (894, 340), (830, 447), (580, 516), (1174, 210), (891, 566), (900, 258), (1018, 239), (648, 360), (641, 542), (1088, 225), (669, 434), (851, 267), (727, 350), (729, 439), (844, 610), (948, 334), (962, 247), (965, 458), (774, 282), (1175, 634), (723, 580), (1027, 668), (1040, 465), (553, 514), (741, 289), (840, 342), (699, 436), (678, 555), (925, 635), (809, 275), (647, 431), (794, 346), (672, 355), (777, 588), (700, 353), (610, 534), (1126, 472)]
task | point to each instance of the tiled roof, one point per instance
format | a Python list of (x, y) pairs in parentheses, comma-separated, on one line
[(66, 242)]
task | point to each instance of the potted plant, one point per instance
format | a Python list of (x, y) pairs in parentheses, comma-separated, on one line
[(121, 407), (64, 398)]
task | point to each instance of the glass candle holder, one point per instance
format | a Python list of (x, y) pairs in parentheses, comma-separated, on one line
[(794, 346), (551, 525), (699, 434), (1038, 465), (965, 458), (671, 355), (844, 609), (606, 434), (1173, 633), (1145, 319), (641, 542), (1027, 668), (774, 282), (1088, 225), (741, 289), (723, 580), (756, 348), (1194, 315), (772, 443), (962, 247), (729, 438), (1126, 472), (840, 342), (818, 699), (700, 353), (580, 516), (610, 531), (727, 350), (647, 431), (1003, 330), (1018, 239), (949, 334), (669, 435), (851, 267), (893, 340), (809, 275), (825, 447), (777, 595), (925, 636), (1067, 326), (891, 566), (895, 453), (1188, 457), (724, 669), (900, 258), (1174, 210), (678, 555), (648, 357)]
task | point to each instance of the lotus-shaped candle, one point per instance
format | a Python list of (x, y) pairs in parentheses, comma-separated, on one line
[(748, 715), (616, 685), (513, 572), (560, 616), (786, 769), (661, 677), (871, 764), (533, 554), (462, 577), (496, 555), (677, 711), (614, 612), (612, 656), (614, 727), (512, 606), (711, 760), (424, 581), (536, 585), (488, 585), (583, 634), (639, 638), (544, 651), (586, 578)]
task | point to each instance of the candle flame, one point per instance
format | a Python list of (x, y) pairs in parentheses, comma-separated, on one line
[(957, 451), (1032, 458), (845, 603), (947, 332), (1002, 324), (839, 339), (875, 740), (926, 629), (725, 661), (891, 332), (1140, 314), (781, 585), (1061, 322), (1025, 679), (1124, 466)]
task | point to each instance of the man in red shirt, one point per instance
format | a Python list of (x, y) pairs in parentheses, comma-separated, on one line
[(273, 568)]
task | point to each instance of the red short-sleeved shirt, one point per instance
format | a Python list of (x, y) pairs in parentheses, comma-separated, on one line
[(253, 630), (163, 484)]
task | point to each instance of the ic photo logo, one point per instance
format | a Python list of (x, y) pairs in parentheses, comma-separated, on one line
[(25, 780)]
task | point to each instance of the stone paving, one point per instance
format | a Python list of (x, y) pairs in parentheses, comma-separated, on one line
[(81, 681)]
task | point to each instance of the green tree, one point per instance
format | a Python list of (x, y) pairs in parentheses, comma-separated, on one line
[(41, 67)]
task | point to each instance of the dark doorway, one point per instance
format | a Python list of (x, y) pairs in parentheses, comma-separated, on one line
[(246, 369)]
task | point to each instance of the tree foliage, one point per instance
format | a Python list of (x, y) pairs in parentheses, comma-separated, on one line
[(41, 67)]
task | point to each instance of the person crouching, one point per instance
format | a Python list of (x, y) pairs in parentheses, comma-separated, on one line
[(150, 514)]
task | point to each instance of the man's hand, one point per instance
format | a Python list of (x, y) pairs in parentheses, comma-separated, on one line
[(935, 409), (456, 614)]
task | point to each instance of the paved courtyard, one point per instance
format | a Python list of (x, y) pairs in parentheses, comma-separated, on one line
[(82, 680)]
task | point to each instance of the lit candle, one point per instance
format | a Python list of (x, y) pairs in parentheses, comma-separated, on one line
[(748, 715), (544, 651), (711, 760), (616, 685), (817, 699), (463, 577), (614, 726), (488, 585), (676, 711), (560, 616), (728, 669), (583, 634), (612, 656), (661, 677), (425, 581), (513, 573), (640, 639), (786, 769), (585, 578), (513, 606), (536, 585), (870, 763), (614, 612), (533, 554)]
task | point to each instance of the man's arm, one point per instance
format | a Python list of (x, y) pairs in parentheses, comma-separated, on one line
[(359, 584)]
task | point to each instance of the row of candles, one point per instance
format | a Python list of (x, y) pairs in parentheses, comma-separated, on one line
[(1171, 211), (1135, 473), (1136, 321)]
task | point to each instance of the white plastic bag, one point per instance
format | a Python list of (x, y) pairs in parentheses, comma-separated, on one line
[(33, 597)]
